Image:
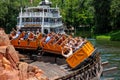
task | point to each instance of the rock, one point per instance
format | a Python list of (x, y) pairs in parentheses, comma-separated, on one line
[(3, 49), (4, 39), (10, 66), (23, 70), (1, 56), (5, 61), (12, 56), (9, 75)]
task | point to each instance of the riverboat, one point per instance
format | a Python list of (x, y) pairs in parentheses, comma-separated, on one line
[(42, 17)]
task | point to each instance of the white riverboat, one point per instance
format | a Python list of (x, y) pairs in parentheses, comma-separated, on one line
[(42, 17)]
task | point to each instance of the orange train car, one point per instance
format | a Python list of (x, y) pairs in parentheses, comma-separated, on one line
[(31, 42), (54, 46), (80, 55)]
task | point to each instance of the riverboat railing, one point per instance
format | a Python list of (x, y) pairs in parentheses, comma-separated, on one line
[(39, 14)]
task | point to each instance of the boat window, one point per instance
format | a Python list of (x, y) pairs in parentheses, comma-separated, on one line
[(52, 29), (46, 31), (27, 19), (46, 19), (34, 19), (59, 19), (18, 20), (51, 20), (54, 11), (56, 20), (35, 10), (45, 10), (38, 19), (23, 19), (39, 10)]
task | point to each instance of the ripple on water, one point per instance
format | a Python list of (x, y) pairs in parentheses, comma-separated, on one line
[(114, 60)]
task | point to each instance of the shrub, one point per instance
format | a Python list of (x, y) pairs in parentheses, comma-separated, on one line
[(103, 37), (115, 36)]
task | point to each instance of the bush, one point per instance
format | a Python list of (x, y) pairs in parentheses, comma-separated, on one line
[(103, 37), (115, 36)]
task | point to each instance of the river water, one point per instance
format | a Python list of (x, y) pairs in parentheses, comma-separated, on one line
[(112, 55), (114, 61)]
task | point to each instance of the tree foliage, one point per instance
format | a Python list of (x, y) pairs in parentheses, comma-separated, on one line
[(115, 36), (8, 10), (115, 14), (103, 15)]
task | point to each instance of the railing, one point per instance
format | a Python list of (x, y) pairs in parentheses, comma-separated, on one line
[(38, 14), (46, 24)]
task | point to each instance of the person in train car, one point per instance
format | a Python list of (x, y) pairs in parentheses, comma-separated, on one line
[(17, 33), (26, 35), (13, 30), (37, 32), (80, 43), (48, 37), (71, 42), (69, 46), (31, 36), (12, 33), (22, 37), (68, 53), (58, 36)]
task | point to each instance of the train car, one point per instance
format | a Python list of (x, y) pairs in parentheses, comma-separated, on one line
[(57, 44)]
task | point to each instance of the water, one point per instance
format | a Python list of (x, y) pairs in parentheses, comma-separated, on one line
[(114, 61), (110, 54)]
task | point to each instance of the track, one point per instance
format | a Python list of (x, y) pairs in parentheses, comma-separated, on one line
[(55, 68)]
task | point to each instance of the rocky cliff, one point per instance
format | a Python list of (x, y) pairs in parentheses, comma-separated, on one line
[(10, 66)]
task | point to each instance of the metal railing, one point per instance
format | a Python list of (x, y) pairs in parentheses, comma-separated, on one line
[(38, 14)]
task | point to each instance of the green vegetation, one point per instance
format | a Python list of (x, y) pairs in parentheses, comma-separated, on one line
[(115, 36), (103, 37), (84, 32), (100, 16), (105, 41)]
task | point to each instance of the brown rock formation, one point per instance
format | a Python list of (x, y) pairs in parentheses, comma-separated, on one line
[(10, 66)]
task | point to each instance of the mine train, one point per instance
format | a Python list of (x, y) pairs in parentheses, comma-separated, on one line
[(55, 45)]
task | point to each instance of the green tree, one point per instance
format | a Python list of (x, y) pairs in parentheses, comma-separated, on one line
[(9, 10), (115, 14), (77, 12), (3, 12), (102, 16)]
